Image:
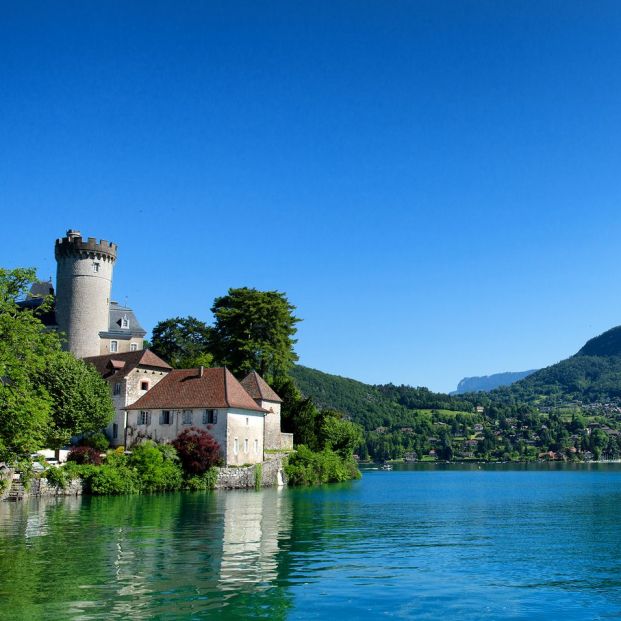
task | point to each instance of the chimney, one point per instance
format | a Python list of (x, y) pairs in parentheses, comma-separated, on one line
[(202, 371)]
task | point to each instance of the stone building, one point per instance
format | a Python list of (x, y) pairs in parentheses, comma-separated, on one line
[(92, 324), (268, 400), (209, 399), (151, 399), (130, 375)]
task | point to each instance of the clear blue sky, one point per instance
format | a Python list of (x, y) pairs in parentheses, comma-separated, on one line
[(435, 185)]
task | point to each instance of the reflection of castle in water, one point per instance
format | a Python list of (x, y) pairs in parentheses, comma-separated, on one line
[(172, 555), (254, 523)]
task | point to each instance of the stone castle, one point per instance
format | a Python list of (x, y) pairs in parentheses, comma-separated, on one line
[(91, 322), (151, 399)]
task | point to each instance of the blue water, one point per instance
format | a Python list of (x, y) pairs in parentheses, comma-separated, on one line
[(416, 543)]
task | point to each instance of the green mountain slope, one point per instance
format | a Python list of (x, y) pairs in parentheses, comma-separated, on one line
[(415, 423), (593, 375), (372, 406), (606, 344)]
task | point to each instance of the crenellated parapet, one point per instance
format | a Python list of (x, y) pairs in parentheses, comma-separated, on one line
[(75, 246)]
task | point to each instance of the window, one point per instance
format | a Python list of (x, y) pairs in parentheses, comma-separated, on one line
[(210, 417), (133, 347), (95, 267), (166, 417), (246, 445), (256, 446), (117, 389), (187, 417), (115, 431), (235, 446), (114, 346), (125, 322), (144, 385), (247, 421), (144, 417)]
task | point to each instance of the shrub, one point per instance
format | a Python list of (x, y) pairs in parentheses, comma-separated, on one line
[(97, 440), (204, 481), (84, 455), (112, 479), (197, 450), (57, 477), (258, 476), (306, 467), (157, 467)]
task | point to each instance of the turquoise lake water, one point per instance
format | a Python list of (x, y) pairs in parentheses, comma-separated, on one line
[(499, 542)]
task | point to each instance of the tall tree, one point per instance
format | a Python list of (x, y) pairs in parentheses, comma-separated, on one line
[(81, 401), (25, 348), (183, 342), (254, 330)]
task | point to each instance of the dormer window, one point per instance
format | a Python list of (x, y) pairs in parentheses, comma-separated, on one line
[(125, 322)]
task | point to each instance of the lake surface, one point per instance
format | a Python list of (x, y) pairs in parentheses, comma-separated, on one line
[(499, 542)]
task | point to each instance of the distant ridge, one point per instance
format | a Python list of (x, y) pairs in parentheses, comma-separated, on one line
[(485, 383)]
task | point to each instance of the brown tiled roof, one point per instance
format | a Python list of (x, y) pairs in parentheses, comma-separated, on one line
[(120, 365), (258, 388), (187, 388)]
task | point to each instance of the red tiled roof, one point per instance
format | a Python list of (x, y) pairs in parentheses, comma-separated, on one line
[(258, 388), (120, 365), (187, 388)]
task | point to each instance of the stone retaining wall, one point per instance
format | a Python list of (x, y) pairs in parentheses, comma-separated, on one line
[(41, 487), (244, 477), (37, 488)]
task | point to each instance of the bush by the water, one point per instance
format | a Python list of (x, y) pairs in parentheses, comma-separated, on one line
[(157, 466), (306, 467), (149, 468)]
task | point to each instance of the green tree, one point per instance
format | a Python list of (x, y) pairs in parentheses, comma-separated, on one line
[(81, 401), (25, 347), (338, 434), (254, 330), (183, 342)]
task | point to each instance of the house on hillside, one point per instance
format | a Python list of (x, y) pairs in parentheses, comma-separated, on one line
[(130, 375), (210, 399)]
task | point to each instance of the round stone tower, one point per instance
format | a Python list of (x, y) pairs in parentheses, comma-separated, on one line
[(83, 284)]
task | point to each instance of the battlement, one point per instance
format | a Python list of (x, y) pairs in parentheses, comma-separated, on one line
[(74, 245)]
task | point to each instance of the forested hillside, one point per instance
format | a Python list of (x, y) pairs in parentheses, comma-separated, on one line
[(415, 423), (592, 376)]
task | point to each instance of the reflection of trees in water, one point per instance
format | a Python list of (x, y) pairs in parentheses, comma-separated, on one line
[(137, 556)]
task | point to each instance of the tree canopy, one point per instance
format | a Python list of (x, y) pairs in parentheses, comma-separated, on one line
[(254, 330), (25, 348), (183, 342), (45, 395), (80, 398)]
